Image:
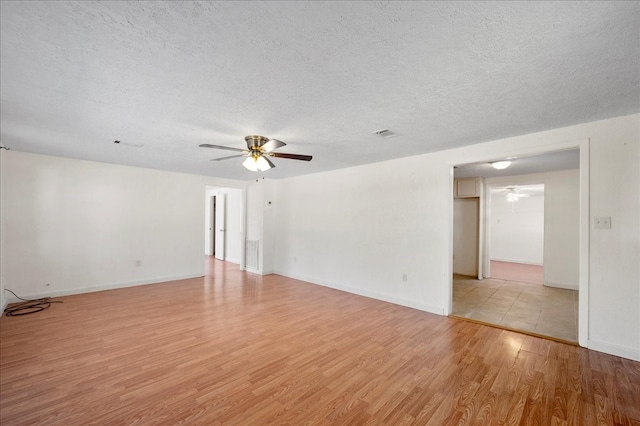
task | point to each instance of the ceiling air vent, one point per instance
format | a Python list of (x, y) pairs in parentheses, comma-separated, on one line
[(384, 133), (132, 145)]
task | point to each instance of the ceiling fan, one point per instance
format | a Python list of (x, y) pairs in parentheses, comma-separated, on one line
[(512, 193), (258, 149)]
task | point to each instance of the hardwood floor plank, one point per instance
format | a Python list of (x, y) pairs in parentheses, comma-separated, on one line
[(237, 348)]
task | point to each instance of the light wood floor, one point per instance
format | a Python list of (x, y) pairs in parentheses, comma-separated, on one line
[(238, 349)]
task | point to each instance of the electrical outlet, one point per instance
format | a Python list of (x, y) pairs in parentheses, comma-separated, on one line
[(138, 263), (602, 222), (404, 278)]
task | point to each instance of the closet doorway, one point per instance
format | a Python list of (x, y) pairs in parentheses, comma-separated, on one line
[(466, 219)]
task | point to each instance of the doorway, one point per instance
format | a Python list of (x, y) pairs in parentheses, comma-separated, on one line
[(515, 229), (216, 225), (212, 226), (224, 223), (505, 302), (220, 227), (466, 218)]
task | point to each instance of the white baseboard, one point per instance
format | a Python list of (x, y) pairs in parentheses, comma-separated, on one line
[(524, 262), (561, 285), (158, 280), (257, 271), (607, 348), (367, 293)]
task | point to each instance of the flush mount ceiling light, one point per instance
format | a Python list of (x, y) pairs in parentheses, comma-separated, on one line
[(501, 164)]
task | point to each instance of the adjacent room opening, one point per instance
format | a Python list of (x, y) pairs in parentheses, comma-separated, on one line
[(516, 244), (516, 233)]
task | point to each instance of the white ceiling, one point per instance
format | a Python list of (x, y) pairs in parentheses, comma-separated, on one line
[(524, 190), (320, 76), (541, 163)]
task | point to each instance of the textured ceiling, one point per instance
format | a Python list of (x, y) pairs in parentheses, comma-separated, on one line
[(320, 76)]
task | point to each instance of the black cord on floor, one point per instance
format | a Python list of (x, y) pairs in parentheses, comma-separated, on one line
[(29, 306)]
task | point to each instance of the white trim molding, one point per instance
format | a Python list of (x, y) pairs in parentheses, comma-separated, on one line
[(607, 348)]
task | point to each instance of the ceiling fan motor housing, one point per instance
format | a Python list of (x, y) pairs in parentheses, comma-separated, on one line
[(254, 142)]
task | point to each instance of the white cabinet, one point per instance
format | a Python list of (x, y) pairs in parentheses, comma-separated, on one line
[(467, 187)]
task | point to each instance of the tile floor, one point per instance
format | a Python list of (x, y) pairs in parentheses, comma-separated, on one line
[(522, 306)]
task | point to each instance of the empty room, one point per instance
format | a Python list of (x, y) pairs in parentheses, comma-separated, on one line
[(246, 213)]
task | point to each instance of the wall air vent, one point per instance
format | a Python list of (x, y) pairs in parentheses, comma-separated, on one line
[(251, 254), (384, 133)]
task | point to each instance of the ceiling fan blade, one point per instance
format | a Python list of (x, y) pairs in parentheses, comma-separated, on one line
[(207, 145), (272, 144), (290, 156), (226, 158), (269, 161)]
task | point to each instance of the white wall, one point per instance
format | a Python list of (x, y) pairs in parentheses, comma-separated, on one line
[(233, 219), (255, 221), (360, 229), (517, 230), (271, 220), (3, 298), (261, 222), (561, 223), (561, 229), (73, 226)]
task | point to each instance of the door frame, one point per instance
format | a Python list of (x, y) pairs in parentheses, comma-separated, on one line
[(220, 229), (488, 215), (243, 213), (212, 226), (584, 231)]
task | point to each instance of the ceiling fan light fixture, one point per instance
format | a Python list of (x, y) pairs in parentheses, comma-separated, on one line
[(251, 164), (262, 164), (256, 164), (500, 165), (512, 197)]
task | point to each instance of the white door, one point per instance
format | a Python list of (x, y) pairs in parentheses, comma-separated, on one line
[(465, 236), (220, 226), (211, 230)]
